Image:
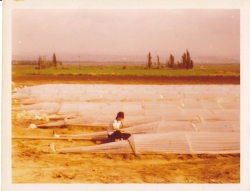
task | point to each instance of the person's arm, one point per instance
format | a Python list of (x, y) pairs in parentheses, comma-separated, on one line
[(122, 126)]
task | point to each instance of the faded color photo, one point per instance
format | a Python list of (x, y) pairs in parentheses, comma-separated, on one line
[(125, 96)]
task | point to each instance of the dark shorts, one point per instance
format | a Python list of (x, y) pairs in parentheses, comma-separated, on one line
[(118, 135)]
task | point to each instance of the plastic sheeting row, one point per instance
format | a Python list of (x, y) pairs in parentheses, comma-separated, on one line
[(207, 103), (164, 127), (112, 93), (173, 142)]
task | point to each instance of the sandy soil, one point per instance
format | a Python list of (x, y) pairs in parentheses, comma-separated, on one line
[(32, 161)]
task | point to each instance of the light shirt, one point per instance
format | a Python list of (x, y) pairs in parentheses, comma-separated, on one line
[(114, 125)]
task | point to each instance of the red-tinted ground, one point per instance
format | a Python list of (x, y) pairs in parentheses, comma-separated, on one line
[(162, 80)]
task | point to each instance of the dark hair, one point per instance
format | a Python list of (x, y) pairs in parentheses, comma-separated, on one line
[(120, 114)]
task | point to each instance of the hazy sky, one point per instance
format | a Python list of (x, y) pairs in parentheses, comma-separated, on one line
[(131, 32)]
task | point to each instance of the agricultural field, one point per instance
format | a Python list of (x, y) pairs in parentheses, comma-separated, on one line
[(128, 69), (106, 73), (33, 161)]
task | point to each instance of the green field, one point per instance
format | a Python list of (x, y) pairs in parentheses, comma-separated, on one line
[(129, 70)]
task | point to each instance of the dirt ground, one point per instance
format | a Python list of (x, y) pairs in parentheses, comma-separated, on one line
[(32, 161), (92, 79)]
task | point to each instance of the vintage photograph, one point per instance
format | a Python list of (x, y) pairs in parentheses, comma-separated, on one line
[(125, 96)]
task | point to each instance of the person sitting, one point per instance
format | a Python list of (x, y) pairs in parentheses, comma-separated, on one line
[(114, 131)]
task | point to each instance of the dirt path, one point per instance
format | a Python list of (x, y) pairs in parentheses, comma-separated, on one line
[(161, 80)]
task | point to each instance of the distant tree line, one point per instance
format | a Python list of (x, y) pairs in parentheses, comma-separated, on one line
[(24, 62), (186, 62), (43, 63)]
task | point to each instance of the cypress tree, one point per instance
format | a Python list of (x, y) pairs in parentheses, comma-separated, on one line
[(54, 60), (149, 60)]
